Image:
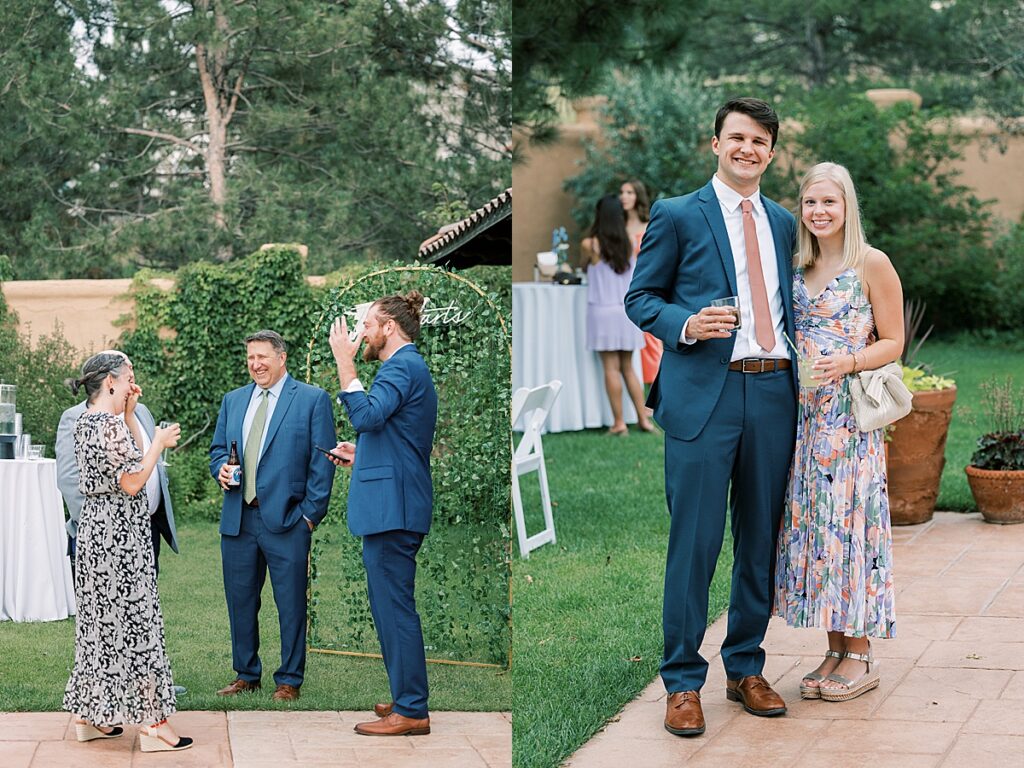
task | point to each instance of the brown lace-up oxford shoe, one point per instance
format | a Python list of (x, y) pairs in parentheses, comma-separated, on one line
[(395, 725), (285, 692), (239, 686), (756, 695), (683, 715)]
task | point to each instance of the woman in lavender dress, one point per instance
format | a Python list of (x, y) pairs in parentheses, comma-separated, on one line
[(610, 263)]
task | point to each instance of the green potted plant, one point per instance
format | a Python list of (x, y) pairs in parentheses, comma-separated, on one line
[(996, 471), (917, 448)]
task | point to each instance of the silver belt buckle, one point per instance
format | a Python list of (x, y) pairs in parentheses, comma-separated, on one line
[(756, 360)]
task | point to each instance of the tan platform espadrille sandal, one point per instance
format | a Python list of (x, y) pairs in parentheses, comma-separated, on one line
[(854, 688), (812, 691), (86, 731)]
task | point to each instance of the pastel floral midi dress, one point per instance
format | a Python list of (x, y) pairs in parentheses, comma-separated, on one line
[(121, 673), (834, 556)]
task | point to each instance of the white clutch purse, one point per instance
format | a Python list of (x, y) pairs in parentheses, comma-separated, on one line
[(879, 397)]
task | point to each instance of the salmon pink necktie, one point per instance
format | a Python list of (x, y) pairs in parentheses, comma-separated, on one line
[(764, 329)]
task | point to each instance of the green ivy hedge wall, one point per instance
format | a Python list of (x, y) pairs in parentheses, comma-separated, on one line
[(186, 344), (463, 578)]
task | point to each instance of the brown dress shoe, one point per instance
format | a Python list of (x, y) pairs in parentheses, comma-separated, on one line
[(395, 725), (383, 710), (239, 686), (757, 696), (285, 692), (683, 716)]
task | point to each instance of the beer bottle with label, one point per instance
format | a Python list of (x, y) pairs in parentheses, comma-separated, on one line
[(235, 464)]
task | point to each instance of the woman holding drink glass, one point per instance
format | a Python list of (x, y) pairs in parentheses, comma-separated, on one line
[(121, 673), (834, 556)]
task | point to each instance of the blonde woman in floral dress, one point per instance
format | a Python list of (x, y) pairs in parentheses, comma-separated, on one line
[(834, 557)]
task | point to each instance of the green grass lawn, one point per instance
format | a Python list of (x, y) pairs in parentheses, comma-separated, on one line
[(969, 362), (587, 610), (35, 659)]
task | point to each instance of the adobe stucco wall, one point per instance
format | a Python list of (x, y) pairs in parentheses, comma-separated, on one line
[(88, 311), (541, 204)]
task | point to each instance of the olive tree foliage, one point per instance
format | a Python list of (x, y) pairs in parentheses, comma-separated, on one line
[(213, 126)]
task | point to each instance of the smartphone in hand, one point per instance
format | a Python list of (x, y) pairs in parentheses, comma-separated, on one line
[(337, 456)]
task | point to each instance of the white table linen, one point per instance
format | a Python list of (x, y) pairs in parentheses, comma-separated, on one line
[(549, 333), (35, 572)]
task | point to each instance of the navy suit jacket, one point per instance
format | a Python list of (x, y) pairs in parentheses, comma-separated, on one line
[(391, 488), (293, 480), (685, 262)]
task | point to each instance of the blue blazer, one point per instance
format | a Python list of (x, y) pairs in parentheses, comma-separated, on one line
[(395, 420), (294, 480), (685, 262)]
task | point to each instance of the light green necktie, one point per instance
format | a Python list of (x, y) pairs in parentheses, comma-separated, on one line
[(251, 454)]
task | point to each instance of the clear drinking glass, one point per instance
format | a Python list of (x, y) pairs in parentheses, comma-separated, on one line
[(733, 303), (163, 456), (805, 367)]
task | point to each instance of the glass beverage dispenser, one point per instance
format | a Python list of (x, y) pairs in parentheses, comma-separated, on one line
[(7, 411)]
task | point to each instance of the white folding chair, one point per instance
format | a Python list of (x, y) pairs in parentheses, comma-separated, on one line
[(533, 405)]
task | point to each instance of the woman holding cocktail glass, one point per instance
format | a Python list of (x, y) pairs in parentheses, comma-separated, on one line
[(121, 673), (834, 557)]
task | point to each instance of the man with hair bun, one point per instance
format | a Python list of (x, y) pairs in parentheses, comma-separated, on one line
[(390, 501)]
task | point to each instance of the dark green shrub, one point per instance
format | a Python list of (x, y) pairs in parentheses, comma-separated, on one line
[(39, 373), (1009, 255)]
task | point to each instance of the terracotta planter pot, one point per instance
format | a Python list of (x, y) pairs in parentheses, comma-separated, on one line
[(916, 457), (999, 494)]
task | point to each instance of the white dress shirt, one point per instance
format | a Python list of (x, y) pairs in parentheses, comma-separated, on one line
[(273, 395), (746, 345)]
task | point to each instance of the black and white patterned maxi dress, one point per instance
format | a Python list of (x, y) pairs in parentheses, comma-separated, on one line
[(121, 673)]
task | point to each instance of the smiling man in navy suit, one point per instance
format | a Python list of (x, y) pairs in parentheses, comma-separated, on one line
[(391, 499), (267, 520), (726, 398)]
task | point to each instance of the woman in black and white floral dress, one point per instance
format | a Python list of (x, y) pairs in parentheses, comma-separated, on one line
[(121, 673)]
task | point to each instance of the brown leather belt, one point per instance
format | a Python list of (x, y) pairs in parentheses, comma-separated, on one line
[(758, 365)]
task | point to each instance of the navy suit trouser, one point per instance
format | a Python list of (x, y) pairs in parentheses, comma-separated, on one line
[(390, 560), (246, 559), (747, 444)]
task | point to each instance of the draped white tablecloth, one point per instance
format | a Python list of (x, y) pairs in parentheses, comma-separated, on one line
[(549, 341), (35, 572)]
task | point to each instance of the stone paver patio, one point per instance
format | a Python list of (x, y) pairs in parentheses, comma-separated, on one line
[(264, 740), (952, 691)]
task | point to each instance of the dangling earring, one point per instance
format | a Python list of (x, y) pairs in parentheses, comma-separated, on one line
[(111, 390)]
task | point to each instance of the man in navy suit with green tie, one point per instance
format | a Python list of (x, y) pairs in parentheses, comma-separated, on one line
[(267, 521), (390, 500), (726, 398)]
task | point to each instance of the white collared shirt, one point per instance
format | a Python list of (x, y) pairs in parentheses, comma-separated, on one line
[(274, 394), (746, 345)]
